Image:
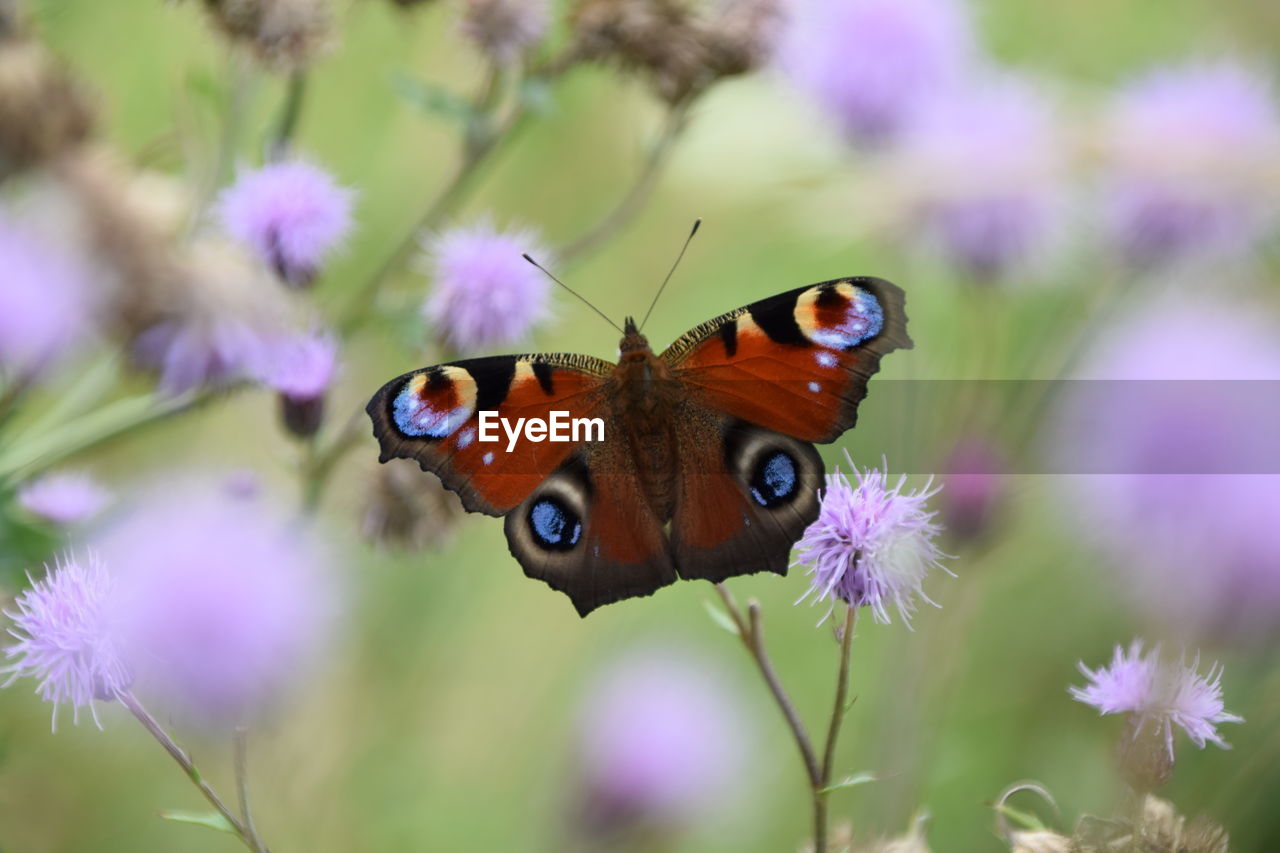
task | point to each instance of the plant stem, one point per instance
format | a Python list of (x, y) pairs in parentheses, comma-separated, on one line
[(751, 631), (184, 761), (641, 189), (240, 746), (838, 712), (290, 112)]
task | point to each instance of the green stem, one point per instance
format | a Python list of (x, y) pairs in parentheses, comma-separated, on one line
[(641, 189), (838, 712), (290, 113), (184, 761), (240, 746)]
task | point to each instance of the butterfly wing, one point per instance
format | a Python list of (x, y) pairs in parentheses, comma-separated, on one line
[(432, 416), (796, 363), (575, 515), (766, 380)]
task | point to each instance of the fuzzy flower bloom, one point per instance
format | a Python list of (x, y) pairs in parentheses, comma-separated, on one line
[(1190, 151), (292, 215), (486, 295), (66, 638), (973, 489), (224, 601), (64, 498), (661, 742), (984, 173), (1159, 693), (302, 370), (872, 546), (505, 29), (45, 301), (871, 64)]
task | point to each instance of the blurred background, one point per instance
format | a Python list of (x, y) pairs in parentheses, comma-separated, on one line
[(1065, 191)]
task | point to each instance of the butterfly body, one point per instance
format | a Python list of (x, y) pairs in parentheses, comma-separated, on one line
[(706, 468)]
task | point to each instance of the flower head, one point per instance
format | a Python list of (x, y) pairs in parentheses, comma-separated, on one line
[(486, 295), (223, 601), (45, 301), (1160, 693), (872, 545), (292, 214), (63, 498), (301, 370), (66, 638), (871, 64), (1187, 151), (660, 741), (505, 29), (973, 489), (985, 170)]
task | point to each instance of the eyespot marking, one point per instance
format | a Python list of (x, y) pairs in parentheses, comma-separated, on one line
[(839, 315), (555, 527), (435, 403), (775, 480)]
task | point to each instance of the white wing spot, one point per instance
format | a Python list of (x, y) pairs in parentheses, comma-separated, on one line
[(487, 458), (815, 387)]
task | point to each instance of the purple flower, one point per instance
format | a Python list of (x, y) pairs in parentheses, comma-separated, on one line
[(224, 326), (223, 601), (301, 370), (486, 295), (661, 741), (66, 638), (1176, 467), (985, 170), (63, 498), (45, 301), (871, 64), (1159, 693), (505, 29), (872, 545), (1189, 149), (973, 489), (292, 214)]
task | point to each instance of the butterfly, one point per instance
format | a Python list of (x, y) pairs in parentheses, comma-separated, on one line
[(707, 467)]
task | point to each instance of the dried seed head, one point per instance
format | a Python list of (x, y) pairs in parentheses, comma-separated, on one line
[(283, 35), (43, 111), (406, 508), (680, 47), (1039, 841), (1143, 756)]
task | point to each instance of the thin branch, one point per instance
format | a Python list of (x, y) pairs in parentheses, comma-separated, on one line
[(184, 761), (751, 631), (641, 189), (290, 113), (240, 746)]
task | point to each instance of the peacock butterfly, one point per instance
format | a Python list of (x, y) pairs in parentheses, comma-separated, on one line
[(707, 467)]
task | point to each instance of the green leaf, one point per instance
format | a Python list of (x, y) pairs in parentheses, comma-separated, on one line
[(213, 820), (851, 782), (1028, 820), (721, 618), (432, 99)]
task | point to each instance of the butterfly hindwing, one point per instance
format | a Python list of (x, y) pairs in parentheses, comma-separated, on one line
[(796, 363), (432, 416)]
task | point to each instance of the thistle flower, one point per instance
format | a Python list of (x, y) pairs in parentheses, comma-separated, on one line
[(43, 111), (505, 29), (985, 169), (872, 546), (292, 215), (404, 509), (973, 489), (1183, 500), (45, 303), (872, 64), (66, 638), (301, 370), (63, 498), (222, 325), (1160, 694), (284, 35), (486, 295), (223, 601), (1188, 152), (660, 742)]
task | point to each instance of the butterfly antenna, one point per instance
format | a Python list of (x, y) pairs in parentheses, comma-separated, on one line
[(687, 241), (586, 301)]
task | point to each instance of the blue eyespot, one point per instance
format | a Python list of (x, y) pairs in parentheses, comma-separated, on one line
[(555, 527), (774, 480)]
